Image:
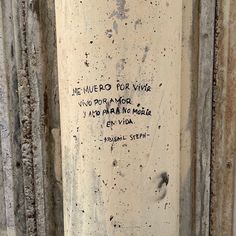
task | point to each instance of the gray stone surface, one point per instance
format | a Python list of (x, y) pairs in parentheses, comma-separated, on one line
[(30, 181)]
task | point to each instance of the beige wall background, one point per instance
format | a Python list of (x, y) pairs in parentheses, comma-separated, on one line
[(128, 186), (30, 142)]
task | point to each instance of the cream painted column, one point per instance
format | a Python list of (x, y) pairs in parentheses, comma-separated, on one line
[(119, 76)]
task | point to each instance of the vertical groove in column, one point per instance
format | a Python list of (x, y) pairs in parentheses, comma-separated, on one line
[(27, 106), (204, 117), (190, 51), (30, 131)]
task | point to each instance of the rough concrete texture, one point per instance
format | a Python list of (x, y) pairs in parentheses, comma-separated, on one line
[(30, 139), (204, 117), (224, 128)]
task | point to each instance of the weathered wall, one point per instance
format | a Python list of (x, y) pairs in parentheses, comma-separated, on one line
[(30, 162), (189, 81), (224, 126), (30, 133), (115, 184), (196, 116), (204, 117)]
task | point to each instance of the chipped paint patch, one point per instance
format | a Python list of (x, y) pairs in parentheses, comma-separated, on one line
[(121, 11)]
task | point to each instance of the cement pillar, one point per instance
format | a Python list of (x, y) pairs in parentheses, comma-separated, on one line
[(119, 68)]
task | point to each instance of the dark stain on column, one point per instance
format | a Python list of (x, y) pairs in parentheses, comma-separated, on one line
[(121, 11), (163, 181)]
